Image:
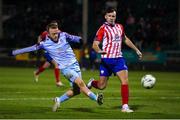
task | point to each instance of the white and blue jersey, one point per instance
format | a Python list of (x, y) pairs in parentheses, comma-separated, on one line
[(60, 51)]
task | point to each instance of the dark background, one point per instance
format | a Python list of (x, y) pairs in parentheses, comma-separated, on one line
[(150, 24)]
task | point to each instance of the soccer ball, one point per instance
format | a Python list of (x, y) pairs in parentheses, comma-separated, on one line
[(148, 81)]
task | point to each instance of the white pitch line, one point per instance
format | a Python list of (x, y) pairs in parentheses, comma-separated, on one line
[(108, 98)]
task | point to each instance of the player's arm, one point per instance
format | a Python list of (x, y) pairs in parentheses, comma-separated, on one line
[(98, 40), (129, 43), (27, 49), (96, 47), (73, 38)]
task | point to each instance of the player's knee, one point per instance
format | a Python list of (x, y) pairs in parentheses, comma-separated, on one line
[(124, 82), (80, 83), (102, 87)]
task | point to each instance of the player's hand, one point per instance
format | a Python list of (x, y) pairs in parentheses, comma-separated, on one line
[(102, 52), (139, 54)]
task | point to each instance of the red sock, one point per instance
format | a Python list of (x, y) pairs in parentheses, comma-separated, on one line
[(125, 94), (95, 84), (57, 75), (40, 69)]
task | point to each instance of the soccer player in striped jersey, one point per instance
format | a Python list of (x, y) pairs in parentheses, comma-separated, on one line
[(111, 35), (48, 62), (58, 47)]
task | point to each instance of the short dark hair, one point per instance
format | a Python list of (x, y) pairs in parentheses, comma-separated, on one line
[(109, 10), (52, 24)]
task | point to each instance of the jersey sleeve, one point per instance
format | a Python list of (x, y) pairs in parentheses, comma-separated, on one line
[(100, 34), (27, 49), (72, 38)]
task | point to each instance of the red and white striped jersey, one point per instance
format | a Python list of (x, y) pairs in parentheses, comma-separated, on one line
[(111, 38)]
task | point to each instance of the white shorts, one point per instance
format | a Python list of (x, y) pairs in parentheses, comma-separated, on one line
[(72, 72)]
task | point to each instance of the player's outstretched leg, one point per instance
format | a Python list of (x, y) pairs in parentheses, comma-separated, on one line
[(56, 104), (61, 99), (98, 98)]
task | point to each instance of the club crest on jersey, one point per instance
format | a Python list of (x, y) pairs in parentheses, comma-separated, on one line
[(117, 38), (102, 71)]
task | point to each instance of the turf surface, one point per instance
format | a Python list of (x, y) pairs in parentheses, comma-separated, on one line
[(21, 97)]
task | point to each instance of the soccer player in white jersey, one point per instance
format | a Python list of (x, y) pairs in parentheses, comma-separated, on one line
[(48, 61), (111, 35), (58, 47)]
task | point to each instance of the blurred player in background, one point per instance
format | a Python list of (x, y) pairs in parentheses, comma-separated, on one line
[(111, 35), (48, 62), (58, 47)]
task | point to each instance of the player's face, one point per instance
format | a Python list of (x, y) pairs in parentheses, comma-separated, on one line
[(111, 17), (53, 33)]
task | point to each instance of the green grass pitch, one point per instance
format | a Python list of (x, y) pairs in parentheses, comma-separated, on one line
[(21, 97)]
